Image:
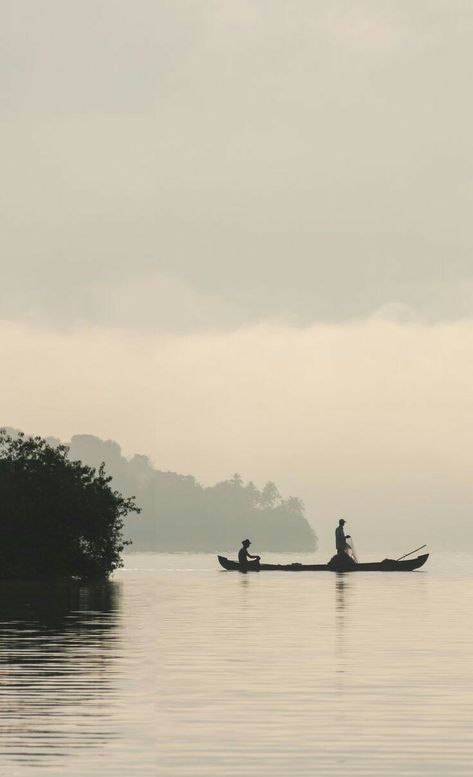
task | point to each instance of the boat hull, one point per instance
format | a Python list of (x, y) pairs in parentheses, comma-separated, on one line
[(388, 565)]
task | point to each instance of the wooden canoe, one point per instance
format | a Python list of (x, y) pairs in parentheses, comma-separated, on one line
[(388, 565)]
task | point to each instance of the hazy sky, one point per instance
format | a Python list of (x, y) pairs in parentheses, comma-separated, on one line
[(237, 236)]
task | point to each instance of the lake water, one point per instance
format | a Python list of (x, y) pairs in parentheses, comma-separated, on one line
[(177, 668)]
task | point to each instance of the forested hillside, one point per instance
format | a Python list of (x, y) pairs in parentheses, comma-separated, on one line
[(180, 514)]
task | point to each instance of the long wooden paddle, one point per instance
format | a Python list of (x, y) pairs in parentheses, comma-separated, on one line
[(411, 552)]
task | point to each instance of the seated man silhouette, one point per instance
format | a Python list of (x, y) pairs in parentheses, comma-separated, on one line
[(244, 557)]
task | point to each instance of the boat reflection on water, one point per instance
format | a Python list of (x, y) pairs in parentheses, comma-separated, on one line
[(341, 584), (342, 595), (55, 644)]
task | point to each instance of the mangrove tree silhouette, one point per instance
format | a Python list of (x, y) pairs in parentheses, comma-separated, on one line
[(58, 517)]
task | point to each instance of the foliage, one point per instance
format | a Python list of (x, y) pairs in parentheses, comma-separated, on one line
[(57, 517)]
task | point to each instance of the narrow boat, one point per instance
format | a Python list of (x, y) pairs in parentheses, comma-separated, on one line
[(388, 565)]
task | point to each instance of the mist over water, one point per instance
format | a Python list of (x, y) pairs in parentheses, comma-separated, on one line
[(176, 667)]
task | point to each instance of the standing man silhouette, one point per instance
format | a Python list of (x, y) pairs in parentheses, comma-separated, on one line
[(343, 560), (340, 540)]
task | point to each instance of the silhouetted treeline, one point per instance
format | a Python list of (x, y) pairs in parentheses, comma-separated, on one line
[(178, 513)]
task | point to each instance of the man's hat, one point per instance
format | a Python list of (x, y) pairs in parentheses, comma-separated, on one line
[(342, 520), (246, 542)]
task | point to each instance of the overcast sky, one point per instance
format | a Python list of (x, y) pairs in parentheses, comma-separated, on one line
[(237, 235)]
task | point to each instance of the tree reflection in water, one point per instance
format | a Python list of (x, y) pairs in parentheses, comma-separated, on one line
[(57, 643)]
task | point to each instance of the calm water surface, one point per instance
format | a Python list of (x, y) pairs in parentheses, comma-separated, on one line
[(177, 668)]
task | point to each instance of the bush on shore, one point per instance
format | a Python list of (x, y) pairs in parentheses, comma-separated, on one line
[(58, 518)]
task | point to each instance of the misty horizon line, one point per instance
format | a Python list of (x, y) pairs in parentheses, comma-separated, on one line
[(389, 315)]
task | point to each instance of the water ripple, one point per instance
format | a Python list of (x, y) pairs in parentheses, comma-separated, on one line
[(176, 669)]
